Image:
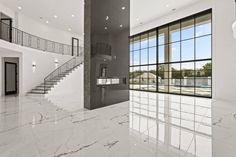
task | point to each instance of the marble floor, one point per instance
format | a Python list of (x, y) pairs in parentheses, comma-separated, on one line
[(149, 125)]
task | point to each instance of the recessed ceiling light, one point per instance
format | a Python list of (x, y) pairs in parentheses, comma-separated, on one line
[(121, 26), (137, 19), (19, 7), (69, 29), (72, 15), (123, 8), (107, 18), (105, 28), (47, 21), (55, 16)]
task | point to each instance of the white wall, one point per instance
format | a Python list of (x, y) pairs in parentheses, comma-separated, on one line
[(7, 11), (224, 46), (224, 50), (31, 26), (44, 64), (69, 93), (34, 27)]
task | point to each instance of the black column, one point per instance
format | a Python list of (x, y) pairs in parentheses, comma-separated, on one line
[(106, 57)]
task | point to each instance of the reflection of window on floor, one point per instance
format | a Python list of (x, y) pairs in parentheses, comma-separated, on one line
[(174, 58), (178, 123)]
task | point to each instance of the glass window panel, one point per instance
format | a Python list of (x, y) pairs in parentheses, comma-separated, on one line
[(136, 77), (187, 73), (163, 35), (203, 47), (187, 66), (136, 45), (174, 72), (204, 69), (131, 59), (163, 70), (203, 25), (144, 56), (187, 90), (162, 87), (174, 32), (175, 82), (174, 52), (136, 56), (163, 54), (131, 77), (152, 74), (201, 91), (187, 70), (175, 67), (203, 82), (144, 78), (152, 55), (144, 41), (131, 44), (152, 39), (187, 48), (174, 88), (187, 29)]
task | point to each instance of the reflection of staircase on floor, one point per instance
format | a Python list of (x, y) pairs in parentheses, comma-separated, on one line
[(56, 76)]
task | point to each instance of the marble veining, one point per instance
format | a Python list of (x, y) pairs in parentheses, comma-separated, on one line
[(111, 144), (150, 124), (76, 150)]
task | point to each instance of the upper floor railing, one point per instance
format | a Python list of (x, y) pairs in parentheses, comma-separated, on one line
[(19, 37)]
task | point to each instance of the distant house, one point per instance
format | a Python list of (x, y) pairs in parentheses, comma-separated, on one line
[(143, 78)]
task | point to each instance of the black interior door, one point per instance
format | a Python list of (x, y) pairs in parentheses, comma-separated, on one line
[(6, 29), (75, 47), (10, 78)]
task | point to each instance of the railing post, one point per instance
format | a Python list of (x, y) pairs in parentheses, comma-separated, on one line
[(22, 38), (45, 46), (44, 86)]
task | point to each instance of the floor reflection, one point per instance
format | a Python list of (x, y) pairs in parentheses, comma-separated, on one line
[(177, 122)]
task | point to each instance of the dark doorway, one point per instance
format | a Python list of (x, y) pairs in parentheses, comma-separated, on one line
[(6, 29), (75, 47), (10, 78)]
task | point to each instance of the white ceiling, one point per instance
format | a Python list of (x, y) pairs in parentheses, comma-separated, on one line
[(143, 10), (48, 8)]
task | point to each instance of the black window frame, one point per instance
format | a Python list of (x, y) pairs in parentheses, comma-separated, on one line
[(194, 61)]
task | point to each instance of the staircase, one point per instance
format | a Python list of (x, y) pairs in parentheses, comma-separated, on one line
[(57, 75)]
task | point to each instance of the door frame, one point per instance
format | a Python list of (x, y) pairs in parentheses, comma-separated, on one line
[(5, 81), (77, 40), (10, 30)]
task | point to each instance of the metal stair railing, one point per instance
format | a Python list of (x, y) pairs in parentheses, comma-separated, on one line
[(19, 37), (63, 69)]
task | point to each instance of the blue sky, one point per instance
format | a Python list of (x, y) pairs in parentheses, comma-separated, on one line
[(202, 43)]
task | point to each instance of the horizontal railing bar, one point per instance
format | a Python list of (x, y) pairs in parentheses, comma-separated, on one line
[(23, 38)]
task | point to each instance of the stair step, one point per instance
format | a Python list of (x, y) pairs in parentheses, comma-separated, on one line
[(37, 89), (46, 86), (37, 92), (52, 81), (49, 83)]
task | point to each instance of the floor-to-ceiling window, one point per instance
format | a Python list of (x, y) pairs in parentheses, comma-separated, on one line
[(174, 58)]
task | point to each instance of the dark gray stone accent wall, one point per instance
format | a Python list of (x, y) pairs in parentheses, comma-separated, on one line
[(106, 43)]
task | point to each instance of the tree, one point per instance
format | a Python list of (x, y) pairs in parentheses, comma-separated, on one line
[(207, 69)]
